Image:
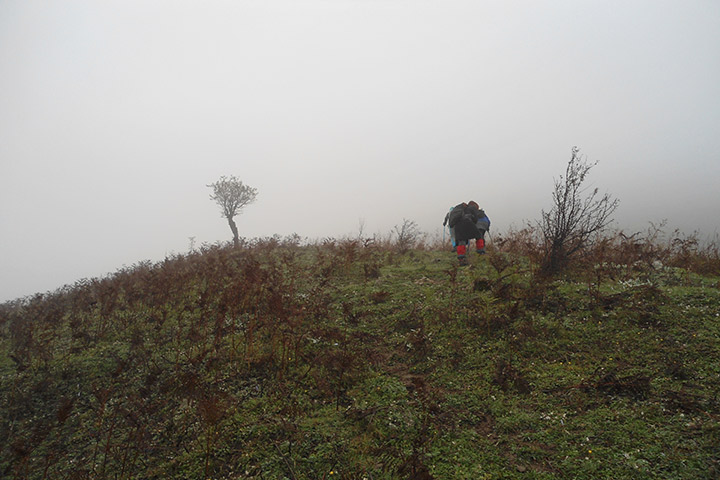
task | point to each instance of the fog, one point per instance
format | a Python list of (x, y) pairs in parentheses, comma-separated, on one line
[(116, 115)]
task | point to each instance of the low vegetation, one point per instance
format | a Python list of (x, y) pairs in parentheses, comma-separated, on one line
[(351, 359)]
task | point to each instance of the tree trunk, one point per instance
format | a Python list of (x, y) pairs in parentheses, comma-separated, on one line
[(233, 227), (555, 259)]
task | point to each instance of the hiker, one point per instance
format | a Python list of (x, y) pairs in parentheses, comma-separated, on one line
[(470, 222), (451, 229)]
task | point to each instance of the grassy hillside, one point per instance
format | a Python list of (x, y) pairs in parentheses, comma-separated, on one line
[(345, 360)]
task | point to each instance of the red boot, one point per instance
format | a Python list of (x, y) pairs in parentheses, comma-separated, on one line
[(461, 251)]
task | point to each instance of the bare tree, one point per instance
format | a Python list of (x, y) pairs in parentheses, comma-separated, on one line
[(232, 195), (577, 216)]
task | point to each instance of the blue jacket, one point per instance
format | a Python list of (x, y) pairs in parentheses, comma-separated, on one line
[(483, 222)]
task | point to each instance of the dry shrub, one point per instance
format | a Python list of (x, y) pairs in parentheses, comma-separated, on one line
[(689, 252), (577, 218), (525, 242), (642, 251), (407, 236), (654, 248)]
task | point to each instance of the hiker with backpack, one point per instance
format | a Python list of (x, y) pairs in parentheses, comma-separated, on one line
[(469, 222)]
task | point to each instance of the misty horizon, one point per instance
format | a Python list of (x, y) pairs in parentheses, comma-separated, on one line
[(115, 116)]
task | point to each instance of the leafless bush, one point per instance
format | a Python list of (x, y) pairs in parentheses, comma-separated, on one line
[(407, 235), (576, 220)]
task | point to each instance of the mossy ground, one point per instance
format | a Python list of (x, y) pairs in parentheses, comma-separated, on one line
[(347, 361)]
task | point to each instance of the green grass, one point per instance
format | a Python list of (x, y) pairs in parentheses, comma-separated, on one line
[(343, 361)]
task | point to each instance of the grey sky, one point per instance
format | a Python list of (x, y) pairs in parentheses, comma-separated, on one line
[(114, 116)]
